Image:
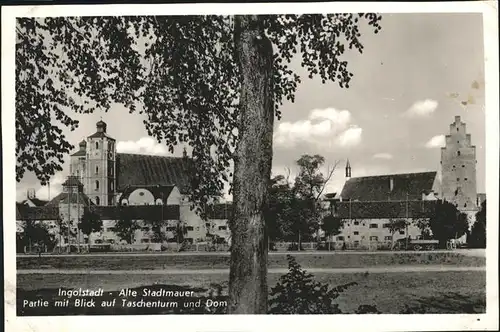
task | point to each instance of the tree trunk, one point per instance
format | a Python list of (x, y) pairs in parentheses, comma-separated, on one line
[(252, 169)]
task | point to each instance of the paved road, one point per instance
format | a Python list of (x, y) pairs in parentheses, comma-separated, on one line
[(382, 269), (467, 252)]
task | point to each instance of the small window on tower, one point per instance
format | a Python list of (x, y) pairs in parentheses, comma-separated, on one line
[(458, 153), (463, 166), (465, 205), (97, 170), (458, 179), (97, 201), (97, 145), (96, 185), (458, 141), (457, 128), (465, 179)]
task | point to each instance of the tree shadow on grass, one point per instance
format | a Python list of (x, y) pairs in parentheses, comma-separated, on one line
[(447, 303)]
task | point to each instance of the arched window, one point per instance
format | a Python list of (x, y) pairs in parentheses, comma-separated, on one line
[(458, 153), (97, 145), (97, 201), (97, 170), (96, 184)]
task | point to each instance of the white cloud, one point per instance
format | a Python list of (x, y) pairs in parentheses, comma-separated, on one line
[(323, 126), (145, 145), (422, 108), (42, 192), (350, 137), (382, 156), (435, 142)]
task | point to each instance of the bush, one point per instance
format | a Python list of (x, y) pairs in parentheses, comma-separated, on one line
[(297, 293)]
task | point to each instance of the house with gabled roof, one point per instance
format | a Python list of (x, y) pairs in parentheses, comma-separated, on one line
[(368, 204)]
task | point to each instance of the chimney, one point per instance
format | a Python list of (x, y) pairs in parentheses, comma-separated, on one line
[(391, 184)]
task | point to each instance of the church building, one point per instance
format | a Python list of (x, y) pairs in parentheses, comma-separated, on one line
[(106, 174), (368, 204)]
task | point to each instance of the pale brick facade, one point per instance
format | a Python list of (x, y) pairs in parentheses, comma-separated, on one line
[(458, 169)]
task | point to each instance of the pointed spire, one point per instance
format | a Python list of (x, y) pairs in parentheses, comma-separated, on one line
[(347, 169)]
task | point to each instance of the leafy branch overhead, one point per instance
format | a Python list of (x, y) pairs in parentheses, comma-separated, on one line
[(179, 71)]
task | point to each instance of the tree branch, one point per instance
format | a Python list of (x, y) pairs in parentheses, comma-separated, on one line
[(330, 173)]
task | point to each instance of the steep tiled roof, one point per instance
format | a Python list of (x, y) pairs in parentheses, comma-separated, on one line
[(72, 181), (63, 198), (105, 212), (160, 212), (35, 201), (377, 188), (79, 153), (19, 207), (158, 191), (145, 170), (388, 209), (37, 213), (101, 134)]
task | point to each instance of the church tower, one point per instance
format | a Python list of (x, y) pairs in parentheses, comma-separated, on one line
[(78, 162), (458, 168), (100, 176), (348, 170)]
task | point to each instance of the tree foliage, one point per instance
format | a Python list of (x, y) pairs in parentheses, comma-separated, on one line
[(309, 186), (447, 222), (90, 222), (179, 71), (157, 229), (477, 236), (296, 208), (279, 208), (125, 227), (198, 80), (396, 225), (298, 293), (331, 225), (423, 225), (35, 233)]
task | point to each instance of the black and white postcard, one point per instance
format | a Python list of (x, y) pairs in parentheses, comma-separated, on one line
[(296, 159)]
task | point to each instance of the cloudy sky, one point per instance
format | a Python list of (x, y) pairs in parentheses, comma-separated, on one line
[(412, 79)]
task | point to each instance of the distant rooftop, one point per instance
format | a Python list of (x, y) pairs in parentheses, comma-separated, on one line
[(378, 188)]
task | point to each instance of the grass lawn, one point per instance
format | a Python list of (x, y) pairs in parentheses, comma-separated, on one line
[(319, 260), (437, 292)]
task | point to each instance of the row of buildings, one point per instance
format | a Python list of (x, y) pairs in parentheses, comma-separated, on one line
[(148, 187)]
